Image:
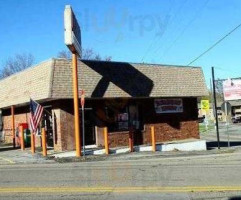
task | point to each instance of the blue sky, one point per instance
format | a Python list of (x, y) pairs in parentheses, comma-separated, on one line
[(152, 31)]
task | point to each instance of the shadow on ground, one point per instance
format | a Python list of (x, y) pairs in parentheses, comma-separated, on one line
[(235, 198), (7, 147), (214, 144)]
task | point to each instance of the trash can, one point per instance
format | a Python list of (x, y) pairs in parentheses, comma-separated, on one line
[(27, 137)]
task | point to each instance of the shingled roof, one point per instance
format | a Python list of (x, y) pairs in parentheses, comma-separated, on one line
[(53, 80)]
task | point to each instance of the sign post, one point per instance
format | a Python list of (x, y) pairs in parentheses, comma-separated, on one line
[(205, 107), (215, 106), (82, 102), (226, 113), (72, 38), (226, 108)]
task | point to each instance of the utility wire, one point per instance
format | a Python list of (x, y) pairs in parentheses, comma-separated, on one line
[(198, 14), (226, 70), (155, 39), (215, 44), (170, 23)]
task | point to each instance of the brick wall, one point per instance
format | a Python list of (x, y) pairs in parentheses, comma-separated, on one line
[(57, 136), (114, 139), (165, 132), (118, 139), (67, 130), (63, 125), (7, 127), (168, 127)]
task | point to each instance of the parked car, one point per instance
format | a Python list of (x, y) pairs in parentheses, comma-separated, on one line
[(201, 119), (237, 117)]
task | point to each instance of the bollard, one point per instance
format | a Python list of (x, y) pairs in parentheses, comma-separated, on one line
[(153, 139), (44, 146), (22, 138), (131, 140), (13, 127), (106, 141), (32, 143)]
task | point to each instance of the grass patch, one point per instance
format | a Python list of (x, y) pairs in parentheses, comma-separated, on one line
[(203, 128)]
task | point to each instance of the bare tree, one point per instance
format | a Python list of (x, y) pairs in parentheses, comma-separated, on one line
[(16, 63), (64, 54), (87, 54), (108, 58), (219, 90)]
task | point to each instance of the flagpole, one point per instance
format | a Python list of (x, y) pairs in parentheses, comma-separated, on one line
[(32, 142), (34, 123)]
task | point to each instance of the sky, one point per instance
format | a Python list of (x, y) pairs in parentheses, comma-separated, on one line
[(170, 32)]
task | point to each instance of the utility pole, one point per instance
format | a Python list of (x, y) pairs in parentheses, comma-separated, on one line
[(211, 99), (215, 106), (72, 39), (76, 105)]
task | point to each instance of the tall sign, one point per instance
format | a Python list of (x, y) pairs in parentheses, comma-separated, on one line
[(232, 89), (72, 33), (73, 41)]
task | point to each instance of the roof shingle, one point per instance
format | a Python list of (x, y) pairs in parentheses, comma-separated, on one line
[(53, 80)]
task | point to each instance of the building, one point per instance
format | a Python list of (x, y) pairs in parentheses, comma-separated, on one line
[(209, 114), (119, 95)]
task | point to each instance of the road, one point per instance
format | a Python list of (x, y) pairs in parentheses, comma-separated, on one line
[(187, 177), (196, 176)]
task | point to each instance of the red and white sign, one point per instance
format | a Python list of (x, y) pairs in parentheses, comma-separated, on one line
[(82, 98), (168, 105), (232, 89)]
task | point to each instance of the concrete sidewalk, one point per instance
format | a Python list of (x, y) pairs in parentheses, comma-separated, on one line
[(16, 156), (9, 155), (183, 145)]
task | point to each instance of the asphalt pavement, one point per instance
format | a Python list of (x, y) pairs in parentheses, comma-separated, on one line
[(183, 177), (213, 174)]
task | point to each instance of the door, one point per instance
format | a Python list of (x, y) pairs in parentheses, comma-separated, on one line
[(135, 123), (89, 127)]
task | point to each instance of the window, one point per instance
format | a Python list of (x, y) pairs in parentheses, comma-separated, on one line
[(121, 119), (117, 119)]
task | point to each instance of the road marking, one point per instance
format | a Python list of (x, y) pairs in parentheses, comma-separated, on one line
[(8, 160), (119, 189)]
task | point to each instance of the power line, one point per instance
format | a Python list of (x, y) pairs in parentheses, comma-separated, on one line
[(171, 21), (198, 14), (215, 44), (226, 70), (155, 39)]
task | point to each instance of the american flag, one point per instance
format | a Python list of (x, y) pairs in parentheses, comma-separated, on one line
[(36, 111)]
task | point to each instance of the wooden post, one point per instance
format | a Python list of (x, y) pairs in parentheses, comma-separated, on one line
[(153, 139), (44, 146), (13, 126), (106, 141), (22, 137), (32, 143), (76, 105), (131, 134)]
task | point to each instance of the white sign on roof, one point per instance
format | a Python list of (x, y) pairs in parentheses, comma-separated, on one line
[(72, 33)]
